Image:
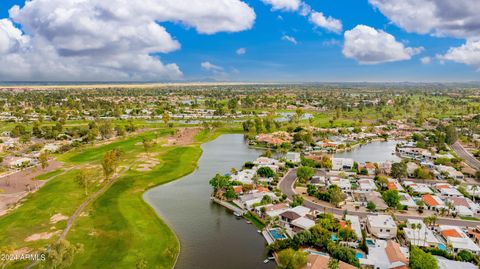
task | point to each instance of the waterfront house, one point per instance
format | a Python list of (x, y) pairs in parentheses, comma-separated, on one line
[(302, 223), (458, 239), (315, 261), (382, 226), (420, 236), (386, 255), (245, 176), (272, 210)]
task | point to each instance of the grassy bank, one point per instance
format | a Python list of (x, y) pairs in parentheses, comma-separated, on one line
[(119, 229)]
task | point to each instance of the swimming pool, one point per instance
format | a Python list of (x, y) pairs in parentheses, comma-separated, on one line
[(311, 251), (276, 234), (370, 242), (358, 255), (334, 237), (442, 247)]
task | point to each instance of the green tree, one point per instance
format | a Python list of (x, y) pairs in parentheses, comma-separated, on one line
[(399, 170), (266, 172), (451, 135), (43, 159), (336, 195), (371, 206), (106, 129), (110, 163), (296, 200), (422, 260), (305, 173), (85, 179), (391, 198), (292, 259), (166, 117)]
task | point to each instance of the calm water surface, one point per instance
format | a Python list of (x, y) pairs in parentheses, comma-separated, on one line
[(372, 152), (210, 236)]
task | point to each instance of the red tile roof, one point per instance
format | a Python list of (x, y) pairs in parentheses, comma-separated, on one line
[(450, 233), (429, 200)]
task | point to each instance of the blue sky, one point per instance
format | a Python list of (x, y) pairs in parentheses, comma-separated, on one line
[(317, 55)]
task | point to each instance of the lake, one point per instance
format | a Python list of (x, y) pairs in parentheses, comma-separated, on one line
[(378, 151), (210, 236)]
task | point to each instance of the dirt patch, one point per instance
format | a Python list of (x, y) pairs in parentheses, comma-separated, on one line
[(184, 136), (17, 185), (58, 217), (147, 162), (41, 236)]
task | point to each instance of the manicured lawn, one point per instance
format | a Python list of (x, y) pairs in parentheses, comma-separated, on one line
[(121, 227)]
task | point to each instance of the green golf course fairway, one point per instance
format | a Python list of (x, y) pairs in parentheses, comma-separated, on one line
[(118, 229)]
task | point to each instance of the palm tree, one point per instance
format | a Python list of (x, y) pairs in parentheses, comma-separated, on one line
[(474, 190)]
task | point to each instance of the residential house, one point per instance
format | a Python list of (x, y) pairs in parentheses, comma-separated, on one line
[(444, 263), (382, 226), (376, 198), (315, 261), (343, 183), (386, 255), (449, 172), (420, 236), (433, 202), (407, 200), (342, 164), (355, 225), (456, 238), (411, 167), (419, 188), (245, 176), (366, 185), (293, 157), (447, 190)]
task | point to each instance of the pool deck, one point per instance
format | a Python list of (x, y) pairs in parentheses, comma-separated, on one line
[(268, 237)]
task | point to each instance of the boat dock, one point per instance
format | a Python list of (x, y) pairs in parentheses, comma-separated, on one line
[(236, 210)]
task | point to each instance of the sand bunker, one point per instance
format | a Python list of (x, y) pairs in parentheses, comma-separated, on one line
[(147, 162), (41, 236), (58, 217)]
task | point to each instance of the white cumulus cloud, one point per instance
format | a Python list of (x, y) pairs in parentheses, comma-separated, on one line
[(370, 46), (328, 23), (468, 53), (456, 18), (107, 40), (284, 5)]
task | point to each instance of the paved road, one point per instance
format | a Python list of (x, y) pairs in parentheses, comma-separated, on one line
[(286, 185), (467, 156)]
